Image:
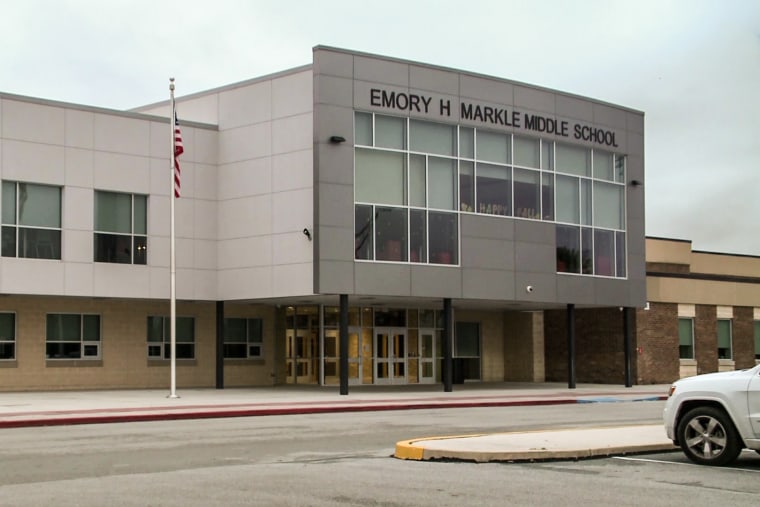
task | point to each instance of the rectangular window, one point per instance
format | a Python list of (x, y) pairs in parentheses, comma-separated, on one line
[(363, 129), (573, 160), (467, 350), (390, 231), (494, 189), (493, 147), (428, 137), (159, 338), (757, 339), (568, 200), (608, 205), (72, 336), (31, 220), (724, 339), (604, 252), (466, 186), (7, 336), (380, 177), (390, 132), (443, 229), (418, 235), (568, 249), (243, 338), (527, 193), (527, 152), (686, 338), (363, 232), (121, 228), (442, 183)]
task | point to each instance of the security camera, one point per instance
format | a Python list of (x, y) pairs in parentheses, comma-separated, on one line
[(529, 288), (307, 233)]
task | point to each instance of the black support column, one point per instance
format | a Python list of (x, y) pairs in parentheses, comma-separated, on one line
[(343, 345), (571, 346), (220, 344), (448, 335), (627, 334)]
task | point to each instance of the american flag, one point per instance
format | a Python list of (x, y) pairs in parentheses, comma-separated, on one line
[(178, 150)]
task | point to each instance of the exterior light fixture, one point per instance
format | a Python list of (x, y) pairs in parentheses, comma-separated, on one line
[(337, 139)]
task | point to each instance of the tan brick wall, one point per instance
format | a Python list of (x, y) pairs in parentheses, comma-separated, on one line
[(123, 347), (524, 347)]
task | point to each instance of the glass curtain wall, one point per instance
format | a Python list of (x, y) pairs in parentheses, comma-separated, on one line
[(413, 179)]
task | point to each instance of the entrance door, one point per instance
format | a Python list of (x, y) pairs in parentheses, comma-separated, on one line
[(354, 356), (300, 360), (390, 356), (427, 356)]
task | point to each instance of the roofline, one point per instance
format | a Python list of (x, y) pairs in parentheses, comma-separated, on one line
[(102, 110), (239, 84), (476, 74)]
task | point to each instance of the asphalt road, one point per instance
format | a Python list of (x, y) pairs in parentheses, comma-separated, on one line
[(344, 459)]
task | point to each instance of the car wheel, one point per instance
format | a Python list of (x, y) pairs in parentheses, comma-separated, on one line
[(708, 437)]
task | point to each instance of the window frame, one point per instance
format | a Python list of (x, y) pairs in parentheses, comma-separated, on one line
[(730, 355), (82, 342), (10, 343), (681, 345), (164, 343), (137, 242), (52, 243), (250, 342)]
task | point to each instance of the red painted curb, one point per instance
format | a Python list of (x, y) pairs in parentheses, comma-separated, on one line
[(258, 412), (218, 414)]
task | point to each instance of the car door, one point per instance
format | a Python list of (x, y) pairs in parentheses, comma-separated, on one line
[(753, 400)]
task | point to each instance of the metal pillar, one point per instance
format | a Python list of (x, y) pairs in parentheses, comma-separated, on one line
[(627, 335), (448, 334), (220, 344), (343, 344), (571, 346)]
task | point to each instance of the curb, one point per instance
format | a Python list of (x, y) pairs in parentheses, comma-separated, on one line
[(116, 415), (415, 449)]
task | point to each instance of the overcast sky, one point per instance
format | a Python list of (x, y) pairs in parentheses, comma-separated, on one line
[(692, 66)]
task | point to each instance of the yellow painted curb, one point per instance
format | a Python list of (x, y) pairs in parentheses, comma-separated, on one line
[(406, 449)]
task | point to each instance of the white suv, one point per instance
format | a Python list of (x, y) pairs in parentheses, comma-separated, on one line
[(714, 416)]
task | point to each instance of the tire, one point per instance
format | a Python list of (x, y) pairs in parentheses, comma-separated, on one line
[(708, 437)]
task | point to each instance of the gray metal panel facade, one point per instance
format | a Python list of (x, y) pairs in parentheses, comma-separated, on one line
[(500, 256)]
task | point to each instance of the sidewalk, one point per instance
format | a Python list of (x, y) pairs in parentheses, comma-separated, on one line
[(26, 409)]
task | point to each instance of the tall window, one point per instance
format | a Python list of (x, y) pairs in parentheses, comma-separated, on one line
[(724, 339), (243, 338), (159, 338), (7, 336), (120, 228), (410, 176), (686, 338), (467, 349), (757, 339), (72, 336), (31, 220)]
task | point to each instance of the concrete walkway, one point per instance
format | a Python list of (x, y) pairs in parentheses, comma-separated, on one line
[(25, 409)]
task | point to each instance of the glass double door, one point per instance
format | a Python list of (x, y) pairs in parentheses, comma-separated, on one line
[(390, 355)]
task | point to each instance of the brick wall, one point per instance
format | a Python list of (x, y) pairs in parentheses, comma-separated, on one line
[(656, 344), (599, 353), (743, 337), (706, 338)]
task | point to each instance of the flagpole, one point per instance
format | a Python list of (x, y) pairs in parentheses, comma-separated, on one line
[(172, 266)]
